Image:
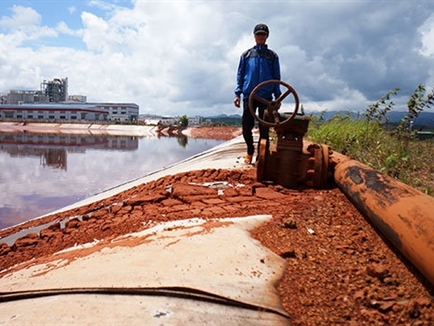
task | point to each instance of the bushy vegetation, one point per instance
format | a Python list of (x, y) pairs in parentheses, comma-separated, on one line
[(183, 121), (226, 121), (369, 140)]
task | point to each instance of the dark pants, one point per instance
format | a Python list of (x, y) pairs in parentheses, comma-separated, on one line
[(248, 123)]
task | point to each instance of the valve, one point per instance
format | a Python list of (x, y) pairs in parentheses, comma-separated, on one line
[(272, 118), (289, 163)]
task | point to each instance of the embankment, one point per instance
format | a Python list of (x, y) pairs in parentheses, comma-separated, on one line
[(76, 128)]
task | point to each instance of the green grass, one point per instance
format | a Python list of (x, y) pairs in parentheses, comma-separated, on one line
[(403, 158)]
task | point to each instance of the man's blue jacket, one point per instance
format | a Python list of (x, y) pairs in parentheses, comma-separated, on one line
[(257, 65)]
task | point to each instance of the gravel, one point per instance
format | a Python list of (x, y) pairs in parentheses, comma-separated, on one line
[(340, 270)]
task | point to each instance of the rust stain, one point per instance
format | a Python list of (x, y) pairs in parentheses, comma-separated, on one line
[(402, 214), (361, 201)]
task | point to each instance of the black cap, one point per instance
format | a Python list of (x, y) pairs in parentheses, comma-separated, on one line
[(261, 28)]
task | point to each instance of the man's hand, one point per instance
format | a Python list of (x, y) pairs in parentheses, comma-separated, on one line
[(237, 102)]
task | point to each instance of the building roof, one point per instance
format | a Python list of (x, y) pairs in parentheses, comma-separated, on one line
[(52, 107)]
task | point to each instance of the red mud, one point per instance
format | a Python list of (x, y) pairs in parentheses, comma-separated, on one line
[(340, 271)]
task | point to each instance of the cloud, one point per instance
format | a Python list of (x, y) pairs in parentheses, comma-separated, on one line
[(180, 57), (72, 9), (22, 18), (24, 25), (427, 32)]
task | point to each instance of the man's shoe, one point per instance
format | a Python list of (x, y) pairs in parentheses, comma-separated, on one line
[(248, 159)]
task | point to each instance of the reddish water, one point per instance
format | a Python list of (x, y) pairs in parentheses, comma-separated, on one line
[(44, 172)]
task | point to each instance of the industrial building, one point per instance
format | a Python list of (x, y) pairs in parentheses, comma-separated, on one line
[(52, 103), (119, 111), (55, 90), (52, 112)]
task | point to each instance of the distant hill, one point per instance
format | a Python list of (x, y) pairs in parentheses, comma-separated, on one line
[(224, 119), (424, 121)]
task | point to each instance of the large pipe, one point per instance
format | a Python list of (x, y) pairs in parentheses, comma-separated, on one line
[(403, 214)]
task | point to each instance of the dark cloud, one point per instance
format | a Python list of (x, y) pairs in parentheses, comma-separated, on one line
[(368, 46), (181, 57)]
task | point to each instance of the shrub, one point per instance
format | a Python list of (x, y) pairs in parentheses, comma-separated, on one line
[(368, 141)]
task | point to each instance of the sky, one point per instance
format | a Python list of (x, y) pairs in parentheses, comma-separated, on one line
[(177, 58)]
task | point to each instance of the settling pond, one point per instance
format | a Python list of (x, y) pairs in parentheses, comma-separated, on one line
[(41, 173)]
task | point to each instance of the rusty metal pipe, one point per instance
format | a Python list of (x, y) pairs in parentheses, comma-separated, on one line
[(404, 215)]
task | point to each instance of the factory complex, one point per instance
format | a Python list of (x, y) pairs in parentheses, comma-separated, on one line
[(51, 103)]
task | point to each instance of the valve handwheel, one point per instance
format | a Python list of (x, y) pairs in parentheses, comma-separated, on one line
[(273, 106)]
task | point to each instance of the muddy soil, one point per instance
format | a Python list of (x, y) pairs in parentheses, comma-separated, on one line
[(340, 270), (219, 133)]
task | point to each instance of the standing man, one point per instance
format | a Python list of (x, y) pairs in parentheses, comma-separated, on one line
[(256, 65)]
